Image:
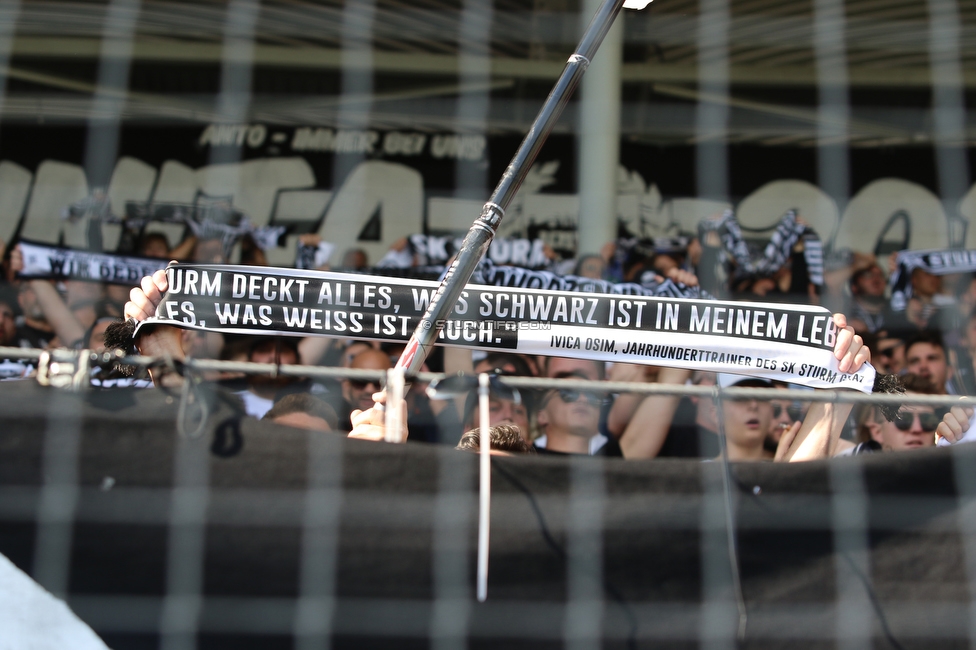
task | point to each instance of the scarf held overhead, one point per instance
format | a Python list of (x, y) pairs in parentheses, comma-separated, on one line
[(936, 262), (788, 233), (42, 261), (784, 342)]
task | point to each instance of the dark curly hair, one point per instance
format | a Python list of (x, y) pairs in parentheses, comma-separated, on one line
[(504, 437)]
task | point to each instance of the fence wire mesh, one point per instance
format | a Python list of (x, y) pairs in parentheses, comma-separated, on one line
[(254, 533), (165, 525)]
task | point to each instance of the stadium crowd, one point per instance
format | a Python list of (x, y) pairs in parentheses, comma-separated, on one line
[(929, 341)]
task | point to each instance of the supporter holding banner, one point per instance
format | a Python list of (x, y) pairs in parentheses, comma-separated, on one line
[(651, 284), (932, 262), (431, 250), (784, 342), (42, 261), (729, 255)]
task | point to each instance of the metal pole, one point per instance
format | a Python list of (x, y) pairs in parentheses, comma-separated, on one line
[(599, 144), (483, 230), (484, 486)]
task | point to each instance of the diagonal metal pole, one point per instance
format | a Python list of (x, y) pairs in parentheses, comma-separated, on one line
[(483, 230)]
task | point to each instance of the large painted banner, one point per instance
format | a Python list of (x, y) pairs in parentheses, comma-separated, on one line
[(368, 189)]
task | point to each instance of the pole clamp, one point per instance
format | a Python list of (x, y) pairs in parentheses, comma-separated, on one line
[(580, 59), (492, 215)]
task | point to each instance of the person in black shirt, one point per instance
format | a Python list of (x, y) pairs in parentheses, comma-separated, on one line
[(571, 419), (693, 431)]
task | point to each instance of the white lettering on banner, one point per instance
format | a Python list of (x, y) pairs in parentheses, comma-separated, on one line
[(233, 135), (539, 307), (948, 259), (421, 298), (248, 318), (468, 331), (295, 316), (224, 315), (390, 325), (210, 288), (323, 320), (397, 143), (239, 286), (728, 320), (624, 312), (670, 316), (517, 252), (817, 328), (504, 305), (180, 312), (437, 248), (185, 282), (461, 147), (502, 251), (717, 336), (43, 261), (342, 141)]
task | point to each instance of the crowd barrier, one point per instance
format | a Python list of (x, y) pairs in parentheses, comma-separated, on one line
[(241, 533)]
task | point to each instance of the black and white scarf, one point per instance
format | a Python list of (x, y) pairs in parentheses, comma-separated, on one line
[(509, 276), (433, 250), (936, 262), (790, 343), (43, 261), (777, 251)]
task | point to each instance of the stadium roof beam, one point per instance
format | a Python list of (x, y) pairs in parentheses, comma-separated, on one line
[(312, 57)]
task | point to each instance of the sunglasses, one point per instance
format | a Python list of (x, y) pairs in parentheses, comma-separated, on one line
[(793, 410), (570, 396), (929, 421), (888, 352), (359, 384)]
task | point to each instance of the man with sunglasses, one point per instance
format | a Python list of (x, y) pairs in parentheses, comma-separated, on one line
[(914, 427), (570, 420), (891, 353), (358, 393), (422, 423)]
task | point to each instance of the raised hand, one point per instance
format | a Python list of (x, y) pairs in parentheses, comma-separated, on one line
[(144, 299), (849, 349), (955, 423)]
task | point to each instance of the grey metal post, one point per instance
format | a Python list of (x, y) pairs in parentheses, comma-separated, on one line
[(476, 242)]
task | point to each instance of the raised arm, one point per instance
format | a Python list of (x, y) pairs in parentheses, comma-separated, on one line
[(67, 328), (161, 340), (648, 428), (824, 422), (626, 404)]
